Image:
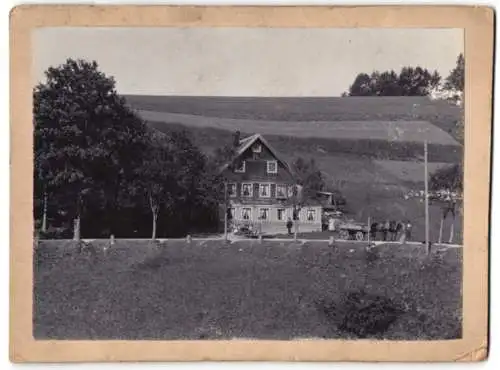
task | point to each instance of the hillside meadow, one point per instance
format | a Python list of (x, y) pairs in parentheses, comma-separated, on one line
[(395, 131), (439, 113)]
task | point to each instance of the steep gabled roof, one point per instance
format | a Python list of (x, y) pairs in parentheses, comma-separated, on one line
[(248, 142), (248, 139)]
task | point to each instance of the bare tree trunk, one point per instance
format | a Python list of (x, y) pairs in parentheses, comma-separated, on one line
[(452, 230), (440, 240), (76, 228), (44, 216), (77, 222), (155, 217), (154, 209)]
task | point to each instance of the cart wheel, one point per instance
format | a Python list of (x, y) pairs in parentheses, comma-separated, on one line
[(344, 234), (360, 236)]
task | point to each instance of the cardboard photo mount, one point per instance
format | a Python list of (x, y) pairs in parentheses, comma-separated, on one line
[(478, 27)]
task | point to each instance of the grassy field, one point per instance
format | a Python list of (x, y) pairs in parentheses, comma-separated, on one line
[(398, 131), (440, 113), (274, 290), (209, 138)]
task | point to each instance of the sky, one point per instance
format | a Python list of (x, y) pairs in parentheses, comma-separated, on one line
[(244, 61)]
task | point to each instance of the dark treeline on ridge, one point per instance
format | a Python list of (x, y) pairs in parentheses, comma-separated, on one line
[(410, 81)]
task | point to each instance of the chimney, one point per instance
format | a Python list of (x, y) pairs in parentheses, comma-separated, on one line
[(236, 139)]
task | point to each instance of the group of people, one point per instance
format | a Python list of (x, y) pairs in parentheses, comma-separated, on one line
[(391, 230)]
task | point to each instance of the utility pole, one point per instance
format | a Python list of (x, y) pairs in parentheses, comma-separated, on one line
[(296, 212), (369, 231), (295, 218), (426, 199), (225, 211)]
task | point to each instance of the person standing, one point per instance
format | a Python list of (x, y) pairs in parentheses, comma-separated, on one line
[(408, 230), (392, 230), (399, 229), (373, 230), (385, 229), (402, 238), (289, 225)]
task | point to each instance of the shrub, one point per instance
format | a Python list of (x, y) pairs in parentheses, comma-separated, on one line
[(362, 314)]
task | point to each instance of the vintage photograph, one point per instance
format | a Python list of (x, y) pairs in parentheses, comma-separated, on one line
[(248, 183)]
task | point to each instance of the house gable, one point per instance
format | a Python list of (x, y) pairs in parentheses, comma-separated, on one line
[(255, 159)]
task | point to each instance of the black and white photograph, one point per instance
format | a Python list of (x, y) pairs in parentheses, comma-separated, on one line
[(229, 183)]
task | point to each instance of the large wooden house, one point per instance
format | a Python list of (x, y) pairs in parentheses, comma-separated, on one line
[(262, 190)]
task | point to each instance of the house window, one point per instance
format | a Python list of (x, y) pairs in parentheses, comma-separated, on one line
[(231, 190), (240, 167), (311, 215), (246, 190), (281, 214), (264, 190), (246, 213), (280, 191), (272, 167), (293, 191), (264, 214), (257, 148)]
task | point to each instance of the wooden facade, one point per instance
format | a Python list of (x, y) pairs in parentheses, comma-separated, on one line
[(261, 189)]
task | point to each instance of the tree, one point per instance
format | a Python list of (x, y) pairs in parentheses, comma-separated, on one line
[(448, 184), (411, 81), (417, 81), (435, 80), (361, 86), (225, 154), (177, 181), (456, 79), (309, 176), (86, 138), (156, 177), (389, 84)]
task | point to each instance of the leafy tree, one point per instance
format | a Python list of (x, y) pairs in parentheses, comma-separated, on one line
[(417, 81), (456, 79), (86, 138), (361, 86), (388, 84), (435, 79), (411, 81), (449, 178), (309, 175), (156, 177), (225, 154), (177, 180), (449, 182)]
